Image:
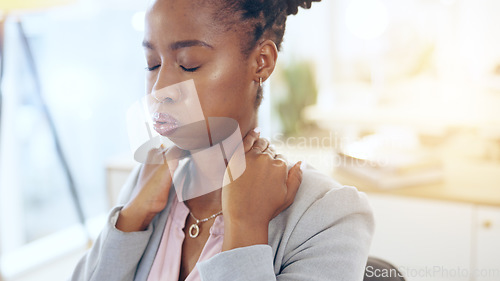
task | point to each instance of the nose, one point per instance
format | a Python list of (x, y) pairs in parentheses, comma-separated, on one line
[(165, 89), (170, 94)]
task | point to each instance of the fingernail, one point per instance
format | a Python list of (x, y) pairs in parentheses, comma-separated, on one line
[(303, 165), (257, 130)]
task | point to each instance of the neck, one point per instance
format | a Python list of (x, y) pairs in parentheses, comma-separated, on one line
[(206, 205), (202, 163)]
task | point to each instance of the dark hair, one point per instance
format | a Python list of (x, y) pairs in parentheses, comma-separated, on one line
[(258, 19)]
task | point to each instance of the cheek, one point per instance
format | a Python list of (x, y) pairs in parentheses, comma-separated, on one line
[(226, 92)]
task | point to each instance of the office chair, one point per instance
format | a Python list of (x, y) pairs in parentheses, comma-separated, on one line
[(379, 270)]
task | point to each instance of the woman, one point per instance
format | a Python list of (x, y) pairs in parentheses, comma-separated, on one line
[(271, 223)]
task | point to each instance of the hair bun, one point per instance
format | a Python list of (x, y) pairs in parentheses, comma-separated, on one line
[(293, 5)]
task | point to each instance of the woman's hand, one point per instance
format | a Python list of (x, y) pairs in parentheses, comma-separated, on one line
[(263, 191), (151, 191)]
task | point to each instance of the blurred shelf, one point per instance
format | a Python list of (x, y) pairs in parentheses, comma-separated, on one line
[(473, 182)]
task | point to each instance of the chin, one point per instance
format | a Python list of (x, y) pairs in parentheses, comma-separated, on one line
[(195, 136)]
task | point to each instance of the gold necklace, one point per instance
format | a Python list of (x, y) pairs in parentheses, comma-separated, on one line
[(194, 229)]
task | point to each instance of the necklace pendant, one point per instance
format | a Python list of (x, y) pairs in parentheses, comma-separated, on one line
[(194, 230)]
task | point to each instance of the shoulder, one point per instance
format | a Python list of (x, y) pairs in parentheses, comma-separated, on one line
[(328, 225), (322, 203), (321, 193)]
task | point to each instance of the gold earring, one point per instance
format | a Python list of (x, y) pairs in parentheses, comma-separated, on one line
[(260, 81)]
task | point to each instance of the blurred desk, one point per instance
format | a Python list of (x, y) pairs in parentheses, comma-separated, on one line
[(453, 224), (475, 182)]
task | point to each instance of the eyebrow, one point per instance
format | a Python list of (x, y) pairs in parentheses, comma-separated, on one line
[(179, 44)]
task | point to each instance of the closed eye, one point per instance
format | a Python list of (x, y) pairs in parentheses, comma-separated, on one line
[(193, 69), (152, 68)]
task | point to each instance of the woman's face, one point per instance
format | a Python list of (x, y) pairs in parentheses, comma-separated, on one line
[(182, 42)]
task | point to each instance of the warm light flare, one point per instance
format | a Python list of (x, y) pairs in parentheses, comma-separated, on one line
[(15, 5)]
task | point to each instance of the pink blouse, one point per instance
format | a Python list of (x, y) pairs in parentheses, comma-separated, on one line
[(167, 263)]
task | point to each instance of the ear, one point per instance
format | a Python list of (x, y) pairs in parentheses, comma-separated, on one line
[(265, 56)]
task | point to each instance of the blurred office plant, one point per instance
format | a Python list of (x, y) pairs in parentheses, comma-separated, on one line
[(296, 89)]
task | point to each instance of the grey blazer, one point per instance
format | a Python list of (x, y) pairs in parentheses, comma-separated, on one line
[(324, 235)]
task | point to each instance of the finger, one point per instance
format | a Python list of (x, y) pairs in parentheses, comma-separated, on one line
[(155, 173), (155, 156), (235, 168), (160, 160), (272, 148), (174, 152), (293, 182), (271, 151), (260, 145), (172, 157), (236, 164), (162, 154), (281, 158), (250, 139)]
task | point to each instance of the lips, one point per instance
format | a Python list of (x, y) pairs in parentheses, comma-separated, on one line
[(164, 123)]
